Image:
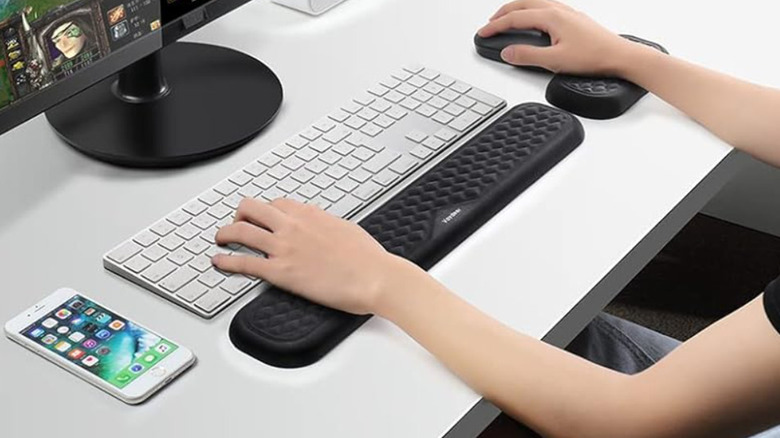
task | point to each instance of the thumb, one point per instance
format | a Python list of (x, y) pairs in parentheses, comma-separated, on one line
[(526, 55)]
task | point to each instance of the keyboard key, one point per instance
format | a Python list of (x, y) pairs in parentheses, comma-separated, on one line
[(347, 185), (363, 154), (337, 134), (384, 121), (289, 185), (293, 163), (180, 217), (378, 90), (381, 160), (481, 109), (212, 300), (343, 148), (302, 176), (209, 198), (158, 271), (438, 103), (367, 114), (137, 264), (235, 284), (203, 222), (250, 191), (196, 246), (364, 99), (449, 95), (273, 193), (201, 263), (349, 163), (309, 191), (426, 111), (298, 142), (322, 181), (446, 134), (454, 109), (320, 202), (416, 136), (465, 101), (209, 234), (234, 200), (311, 134), (284, 151), (404, 165), (270, 160), (330, 157), (396, 113), (414, 68), (316, 166), (367, 190), (192, 291), (146, 238), (420, 152), (225, 188), (360, 175), (279, 173), (433, 143), (394, 96), (333, 194), (163, 228), (154, 253), (429, 74), (171, 242), (324, 125), (242, 178), (195, 207), (433, 88), (417, 81), (336, 172), (178, 279), (402, 75), (212, 278), (386, 177), (307, 154), (380, 106), (220, 211), (390, 82), (355, 122), (345, 206), (187, 232), (444, 80), (351, 108), (460, 87), (410, 104), (405, 89), (443, 117), (371, 129), (465, 121), (181, 257), (422, 96)]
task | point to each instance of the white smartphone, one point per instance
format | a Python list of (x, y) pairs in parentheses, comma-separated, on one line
[(117, 355)]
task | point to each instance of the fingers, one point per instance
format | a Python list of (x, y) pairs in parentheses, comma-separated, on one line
[(288, 206), (247, 235), (538, 19), (526, 4), (254, 266), (260, 213), (525, 55)]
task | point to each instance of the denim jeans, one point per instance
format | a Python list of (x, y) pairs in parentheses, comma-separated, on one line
[(627, 347)]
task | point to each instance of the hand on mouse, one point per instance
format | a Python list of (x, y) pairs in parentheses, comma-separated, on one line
[(312, 253), (579, 44)]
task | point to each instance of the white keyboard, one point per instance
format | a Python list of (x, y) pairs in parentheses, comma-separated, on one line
[(343, 163)]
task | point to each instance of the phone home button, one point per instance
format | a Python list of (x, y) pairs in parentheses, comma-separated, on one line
[(158, 371)]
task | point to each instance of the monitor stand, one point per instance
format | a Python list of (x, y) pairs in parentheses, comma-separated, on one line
[(185, 103)]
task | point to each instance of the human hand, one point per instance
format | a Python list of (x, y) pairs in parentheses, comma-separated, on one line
[(579, 44), (311, 253)]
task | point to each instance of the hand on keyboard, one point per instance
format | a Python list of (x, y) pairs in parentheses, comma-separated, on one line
[(323, 258)]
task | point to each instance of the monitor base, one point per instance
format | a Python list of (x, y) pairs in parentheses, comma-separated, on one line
[(186, 103)]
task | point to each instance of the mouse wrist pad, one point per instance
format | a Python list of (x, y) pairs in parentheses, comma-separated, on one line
[(422, 223)]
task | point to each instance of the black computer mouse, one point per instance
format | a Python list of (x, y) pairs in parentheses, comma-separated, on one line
[(491, 47)]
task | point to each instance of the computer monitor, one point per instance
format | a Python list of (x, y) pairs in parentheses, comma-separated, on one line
[(117, 86)]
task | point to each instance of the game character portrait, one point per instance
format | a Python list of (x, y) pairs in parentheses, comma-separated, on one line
[(69, 39)]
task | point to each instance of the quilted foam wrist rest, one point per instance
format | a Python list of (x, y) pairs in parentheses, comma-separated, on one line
[(422, 223), (597, 98)]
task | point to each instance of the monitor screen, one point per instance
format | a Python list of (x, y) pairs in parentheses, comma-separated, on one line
[(44, 42)]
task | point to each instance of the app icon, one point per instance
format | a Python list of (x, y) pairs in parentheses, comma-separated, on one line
[(36, 332), (90, 361), (136, 368), (89, 311), (149, 358), (77, 321), (49, 323), (90, 328), (77, 304), (49, 339), (124, 377), (103, 351), (76, 336), (63, 313), (162, 348), (116, 15), (89, 344), (103, 334), (117, 325), (63, 329), (76, 354), (62, 346), (102, 318)]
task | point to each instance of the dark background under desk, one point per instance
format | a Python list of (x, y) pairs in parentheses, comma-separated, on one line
[(708, 270)]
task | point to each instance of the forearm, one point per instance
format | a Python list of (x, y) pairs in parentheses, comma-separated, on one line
[(546, 388), (745, 115)]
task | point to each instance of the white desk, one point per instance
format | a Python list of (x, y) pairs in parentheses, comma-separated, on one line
[(574, 237)]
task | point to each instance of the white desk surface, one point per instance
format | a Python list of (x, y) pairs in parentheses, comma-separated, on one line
[(528, 267)]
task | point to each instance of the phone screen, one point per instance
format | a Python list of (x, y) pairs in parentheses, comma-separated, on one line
[(103, 343)]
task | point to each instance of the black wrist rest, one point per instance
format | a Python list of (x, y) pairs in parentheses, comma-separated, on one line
[(422, 223), (597, 98)]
